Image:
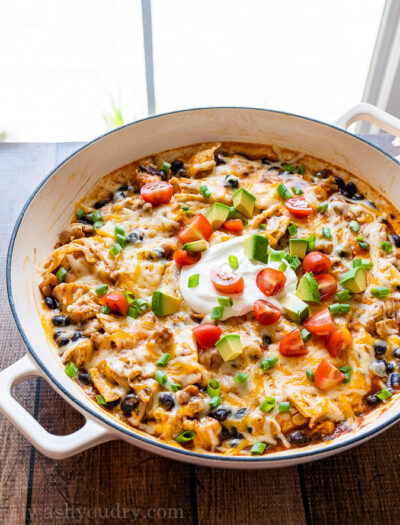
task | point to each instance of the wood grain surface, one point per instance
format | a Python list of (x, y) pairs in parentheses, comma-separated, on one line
[(118, 483)]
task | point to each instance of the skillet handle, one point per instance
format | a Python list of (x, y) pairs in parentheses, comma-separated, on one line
[(56, 447), (371, 114)]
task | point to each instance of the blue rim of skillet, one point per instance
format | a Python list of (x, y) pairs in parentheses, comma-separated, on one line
[(216, 458)]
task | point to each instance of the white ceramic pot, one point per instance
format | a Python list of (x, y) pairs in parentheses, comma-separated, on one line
[(51, 205)]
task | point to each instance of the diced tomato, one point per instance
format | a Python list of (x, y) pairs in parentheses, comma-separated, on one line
[(156, 193), (316, 262), (116, 301), (327, 285), (270, 281), (338, 341), (292, 345), (207, 335), (228, 283), (234, 226), (298, 207), (266, 312), (320, 323), (184, 258), (327, 375), (198, 229)]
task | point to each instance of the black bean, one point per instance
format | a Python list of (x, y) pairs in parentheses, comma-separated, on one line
[(167, 400), (394, 381), (266, 339), (51, 302), (357, 197), (158, 253), (340, 182), (231, 181), (390, 367), (129, 403), (221, 414), (235, 433), (60, 320), (112, 404), (176, 166), (62, 341), (164, 175), (373, 206), (396, 240), (350, 189), (323, 174), (372, 399), (219, 159), (234, 443), (224, 434), (118, 195), (241, 412), (135, 237), (249, 430), (266, 161), (298, 437), (380, 347), (100, 204), (84, 378), (76, 336), (87, 219), (396, 352), (124, 187)]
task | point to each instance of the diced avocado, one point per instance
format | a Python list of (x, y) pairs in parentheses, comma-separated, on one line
[(355, 279), (244, 202), (308, 289), (298, 247), (164, 304), (196, 246), (229, 346), (295, 309), (217, 214), (256, 248)]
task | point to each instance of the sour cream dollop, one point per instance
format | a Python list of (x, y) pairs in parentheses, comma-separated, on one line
[(204, 297)]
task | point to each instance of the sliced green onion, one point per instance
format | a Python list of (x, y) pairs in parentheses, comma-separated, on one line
[(291, 168), (292, 229), (354, 226), (258, 448), (294, 262), (232, 212), (71, 370), (217, 312), (323, 207), (194, 280), (97, 216), (105, 309), (297, 190), (283, 192), (120, 240), (133, 312), (263, 226), (80, 213), (161, 377), (213, 388), (269, 362), (305, 334), (119, 230), (301, 169), (166, 166), (347, 371), (282, 267), (326, 232), (343, 295), (206, 193), (61, 274), (142, 304), (98, 224), (268, 404), (100, 399), (233, 262), (339, 308), (286, 256), (363, 263), (175, 387), (186, 436), (225, 301), (116, 249), (276, 256), (384, 394), (241, 377), (186, 210), (387, 246), (164, 359), (310, 375), (101, 290), (380, 291), (214, 402), (284, 406), (311, 243), (362, 244), (130, 297)]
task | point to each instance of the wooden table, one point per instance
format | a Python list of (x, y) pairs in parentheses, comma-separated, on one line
[(117, 483)]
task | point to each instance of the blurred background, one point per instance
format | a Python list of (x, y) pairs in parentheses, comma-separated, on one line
[(73, 70)]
